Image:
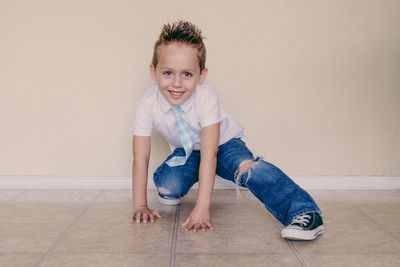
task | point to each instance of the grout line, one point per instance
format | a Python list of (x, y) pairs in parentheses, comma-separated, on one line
[(291, 245), (174, 237), (298, 255), (377, 224), (62, 236)]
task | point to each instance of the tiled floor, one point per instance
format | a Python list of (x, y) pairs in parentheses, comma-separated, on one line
[(92, 228)]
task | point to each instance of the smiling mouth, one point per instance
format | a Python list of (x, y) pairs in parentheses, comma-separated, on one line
[(176, 93)]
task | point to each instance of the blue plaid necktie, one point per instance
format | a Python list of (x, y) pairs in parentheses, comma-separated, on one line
[(186, 136)]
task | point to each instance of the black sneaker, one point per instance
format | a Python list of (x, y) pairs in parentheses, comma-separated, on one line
[(304, 227)]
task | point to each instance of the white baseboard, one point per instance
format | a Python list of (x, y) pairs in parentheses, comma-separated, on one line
[(124, 182)]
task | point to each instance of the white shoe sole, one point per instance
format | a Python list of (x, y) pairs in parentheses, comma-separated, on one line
[(297, 234), (169, 201)]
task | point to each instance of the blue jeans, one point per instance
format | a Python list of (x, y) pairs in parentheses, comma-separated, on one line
[(280, 195)]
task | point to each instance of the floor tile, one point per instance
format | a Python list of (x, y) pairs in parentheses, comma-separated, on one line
[(322, 196), (26, 237), (351, 260), (64, 213), (239, 213), (124, 195), (362, 229), (237, 238), (351, 238), (227, 209), (121, 238), (388, 211), (106, 260), (64, 196), (387, 216), (118, 206), (224, 196), (238, 259), (19, 259), (108, 196), (116, 212), (342, 213), (8, 194)]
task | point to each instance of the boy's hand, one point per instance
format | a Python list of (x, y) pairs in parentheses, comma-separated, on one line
[(198, 219), (144, 214)]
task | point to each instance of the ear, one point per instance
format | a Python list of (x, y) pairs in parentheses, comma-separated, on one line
[(153, 72), (203, 75)]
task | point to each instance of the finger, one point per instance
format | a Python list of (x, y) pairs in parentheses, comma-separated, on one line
[(155, 213), (189, 226), (132, 216), (196, 227), (209, 225), (186, 221), (145, 217), (203, 227), (151, 218), (138, 215)]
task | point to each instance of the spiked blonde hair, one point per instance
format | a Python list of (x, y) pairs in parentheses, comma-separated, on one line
[(181, 32)]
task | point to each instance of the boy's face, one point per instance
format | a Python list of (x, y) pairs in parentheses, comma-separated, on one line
[(177, 72)]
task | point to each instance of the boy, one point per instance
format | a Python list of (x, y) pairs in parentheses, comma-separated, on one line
[(205, 141)]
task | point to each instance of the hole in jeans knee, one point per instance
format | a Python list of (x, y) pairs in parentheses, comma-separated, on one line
[(245, 165), (164, 191)]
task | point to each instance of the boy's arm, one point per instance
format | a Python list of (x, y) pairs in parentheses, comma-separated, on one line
[(141, 156), (200, 218), (208, 163)]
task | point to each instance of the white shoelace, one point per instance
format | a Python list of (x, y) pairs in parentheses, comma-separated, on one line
[(301, 219)]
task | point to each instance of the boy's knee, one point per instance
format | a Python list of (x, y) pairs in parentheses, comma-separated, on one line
[(245, 165), (259, 171), (171, 190), (164, 191)]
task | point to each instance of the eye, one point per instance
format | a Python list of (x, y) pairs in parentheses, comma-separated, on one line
[(187, 74), (167, 73)]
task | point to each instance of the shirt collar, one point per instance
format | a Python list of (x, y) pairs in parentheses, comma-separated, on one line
[(166, 106)]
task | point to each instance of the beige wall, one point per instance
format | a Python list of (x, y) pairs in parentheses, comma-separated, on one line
[(315, 83)]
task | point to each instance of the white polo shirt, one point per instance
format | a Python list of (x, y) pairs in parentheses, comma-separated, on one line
[(200, 110)]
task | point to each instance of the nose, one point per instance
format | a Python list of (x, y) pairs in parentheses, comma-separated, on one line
[(177, 82)]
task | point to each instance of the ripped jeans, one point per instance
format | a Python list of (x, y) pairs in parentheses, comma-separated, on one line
[(280, 195)]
